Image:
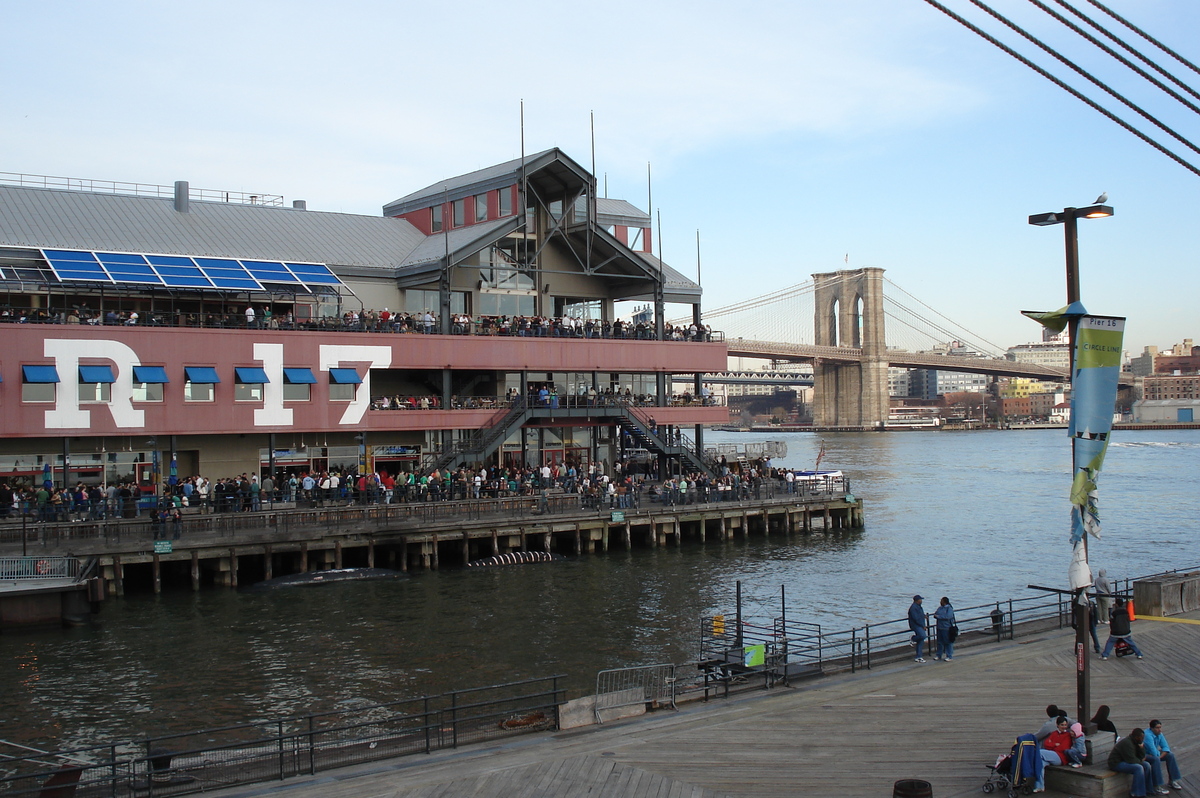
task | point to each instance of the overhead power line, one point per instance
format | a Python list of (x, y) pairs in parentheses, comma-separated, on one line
[(1130, 48), (1122, 59), (1146, 36), (1085, 74), (1070, 90)]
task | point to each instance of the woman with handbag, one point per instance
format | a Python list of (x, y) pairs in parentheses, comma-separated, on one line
[(947, 630)]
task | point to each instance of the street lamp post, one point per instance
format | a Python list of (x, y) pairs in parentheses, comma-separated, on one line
[(1069, 218)]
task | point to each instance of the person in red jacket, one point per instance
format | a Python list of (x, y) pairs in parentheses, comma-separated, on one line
[(1057, 743)]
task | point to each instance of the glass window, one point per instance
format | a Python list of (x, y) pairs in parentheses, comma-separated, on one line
[(506, 304), (248, 392), (435, 222), (147, 392), (417, 300), (481, 207), (506, 204), (342, 392), (37, 392), (295, 392), (197, 392), (94, 391), (555, 209), (460, 212)]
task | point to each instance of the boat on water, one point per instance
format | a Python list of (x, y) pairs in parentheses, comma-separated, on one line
[(327, 577)]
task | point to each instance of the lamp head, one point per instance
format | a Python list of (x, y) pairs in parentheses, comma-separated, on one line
[(1095, 211), (1045, 219)]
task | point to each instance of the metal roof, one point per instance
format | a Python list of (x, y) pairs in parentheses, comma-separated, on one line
[(50, 218), (618, 211), (550, 167)]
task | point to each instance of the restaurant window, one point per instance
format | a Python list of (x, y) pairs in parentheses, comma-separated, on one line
[(343, 384), (38, 383), (148, 383), (460, 212), (481, 207), (506, 205), (297, 384), (199, 382), (248, 384), (95, 383), (435, 222)]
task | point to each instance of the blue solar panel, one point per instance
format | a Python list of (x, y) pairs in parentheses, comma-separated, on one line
[(177, 271), (126, 268), (120, 257), (69, 265), (183, 276), (68, 254), (269, 271), (314, 274), (170, 260), (228, 274)]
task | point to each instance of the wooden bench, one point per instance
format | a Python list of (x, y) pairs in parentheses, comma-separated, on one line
[(1089, 781)]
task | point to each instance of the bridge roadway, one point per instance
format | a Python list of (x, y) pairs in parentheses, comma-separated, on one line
[(852, 734), (774, 350)]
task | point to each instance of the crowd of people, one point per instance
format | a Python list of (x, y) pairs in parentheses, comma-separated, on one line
[(383, 321), (628, 483), (541, 396), (1144, 753)]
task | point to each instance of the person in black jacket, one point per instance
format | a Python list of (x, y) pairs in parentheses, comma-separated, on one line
[(1129, 756), (1118, 629)]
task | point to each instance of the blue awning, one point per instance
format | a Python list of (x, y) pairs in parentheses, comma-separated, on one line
[(249, 375), (345, 377), (150, 374), (201, 374), (299, 376), (40, 373), (96, 374)]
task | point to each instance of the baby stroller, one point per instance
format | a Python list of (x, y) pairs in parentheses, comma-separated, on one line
[(999, 773), (1018, 770)]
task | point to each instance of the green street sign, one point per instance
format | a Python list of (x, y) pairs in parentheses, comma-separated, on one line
[(618, 516), (162, 547)]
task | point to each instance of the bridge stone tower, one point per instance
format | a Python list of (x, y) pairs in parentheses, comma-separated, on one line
[(849, 314)]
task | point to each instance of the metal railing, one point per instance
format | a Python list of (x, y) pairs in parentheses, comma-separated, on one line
[(888, 641), (135, 189), (200, 761), (13, 568), (155, 315), (634, 686)]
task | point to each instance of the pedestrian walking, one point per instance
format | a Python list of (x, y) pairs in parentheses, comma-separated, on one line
[(916, 623)]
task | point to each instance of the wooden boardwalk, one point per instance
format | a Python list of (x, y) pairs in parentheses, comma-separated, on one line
[(844, 735)]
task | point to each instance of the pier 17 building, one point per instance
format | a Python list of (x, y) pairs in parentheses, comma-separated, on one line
[(151, 333)]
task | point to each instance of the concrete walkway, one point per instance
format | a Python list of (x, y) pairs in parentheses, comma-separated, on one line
[(844, 735)]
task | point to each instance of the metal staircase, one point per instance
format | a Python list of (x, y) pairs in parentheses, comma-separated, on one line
[(683, 447), (483, 442)]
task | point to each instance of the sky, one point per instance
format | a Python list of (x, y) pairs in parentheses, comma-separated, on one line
[(792, 138)]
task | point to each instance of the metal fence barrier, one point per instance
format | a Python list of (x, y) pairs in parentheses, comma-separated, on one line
[(39, 568), (627, 687), (248, 753)]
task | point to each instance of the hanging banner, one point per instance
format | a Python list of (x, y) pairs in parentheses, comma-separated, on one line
[(1098, 343), (1093, 398), (1097, 357)]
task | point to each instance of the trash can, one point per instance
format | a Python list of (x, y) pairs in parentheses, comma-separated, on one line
[(912, 788)]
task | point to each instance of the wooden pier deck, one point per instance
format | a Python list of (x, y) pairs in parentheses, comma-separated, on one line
[(852, 734)]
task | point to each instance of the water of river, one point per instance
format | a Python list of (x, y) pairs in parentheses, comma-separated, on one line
[(973, 515)]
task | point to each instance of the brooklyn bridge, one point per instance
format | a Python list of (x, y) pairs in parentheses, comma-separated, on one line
[(837, 323)]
